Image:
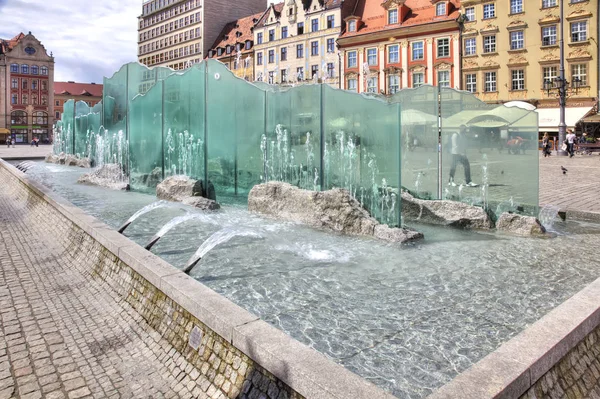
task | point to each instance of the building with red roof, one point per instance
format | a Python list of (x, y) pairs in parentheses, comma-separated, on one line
[(26, 89), (235, 46), (91, 93), (393, 44)]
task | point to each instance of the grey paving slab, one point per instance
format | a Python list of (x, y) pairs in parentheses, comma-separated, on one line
[(62, 334), (23, 151)]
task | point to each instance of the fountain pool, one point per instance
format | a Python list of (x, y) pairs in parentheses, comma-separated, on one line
[(408, 318)]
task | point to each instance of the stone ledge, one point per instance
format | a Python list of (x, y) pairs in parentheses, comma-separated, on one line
[(311, 373), (582, 216)]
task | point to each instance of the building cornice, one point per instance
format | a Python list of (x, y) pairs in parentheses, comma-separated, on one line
[(400, 32)]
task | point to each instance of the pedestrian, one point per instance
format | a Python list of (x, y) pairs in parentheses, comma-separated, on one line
[(546, 145), (459, 155), (570, 139), (13, 141), (7, 142)]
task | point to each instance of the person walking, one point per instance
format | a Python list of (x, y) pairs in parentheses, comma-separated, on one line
[(13, 141), (570, 139), (7, 142), (546, 145), (459, 155)]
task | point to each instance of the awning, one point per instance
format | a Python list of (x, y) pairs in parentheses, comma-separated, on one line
[(4, 131), (550, 117), (594, 118)]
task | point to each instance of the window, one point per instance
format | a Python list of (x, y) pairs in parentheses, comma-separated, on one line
[(578, 31), (440, 9), (314, 71), (284, 32), (330, 70), (392, 17), (300, 28), (470, 14), (259, 38), (393, 54), (516, 6), (57, 115), (34, 99), (393, 84), (372, 85), (35, 70), (517, 40), (24, 99), (418, 79), (518, 79), (490, 81), (284, 54), (352, 26), (548, 3), (259, 58), (331, 45), (330, 21), (352, 59), (271, 35), (25, 68), (470, 46), (579, 71), (57, 103), (300, 73), (14, 84), (44, 85), (13, 99), (248, 45), (549, 74), (352, 84), (314, 48), (284, 75), (372, 56), (271, 56), (314, 25), (489, 10), (299, 50), (471, 82), (417, 51), (34, 84), (549, 35), (44, 71), (443, 48), (443, 78), (489, 44), (14, 68), (24, 84), (228, 49)]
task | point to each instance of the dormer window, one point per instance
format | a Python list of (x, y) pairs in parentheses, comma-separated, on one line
[(219, 51), (440, 9), (392, 17), (352, 26), (238, 34), (228, 49)]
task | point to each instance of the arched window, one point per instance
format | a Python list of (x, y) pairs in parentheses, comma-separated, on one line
[(18, 118), (25, 68), (14, 68), (44, 70), (35, 70), (40, 118)]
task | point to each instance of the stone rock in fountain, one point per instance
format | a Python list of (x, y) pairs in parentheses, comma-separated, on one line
[(444, 212), (151, 179), (84, 163), (51, 158), (183, 189), (71, 160), (109, 175), (334, 210), (62, 157), (520, 225)]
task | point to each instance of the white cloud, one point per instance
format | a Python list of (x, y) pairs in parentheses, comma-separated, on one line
[(89, 38)]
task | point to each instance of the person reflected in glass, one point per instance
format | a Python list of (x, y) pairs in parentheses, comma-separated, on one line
[(459, 155)]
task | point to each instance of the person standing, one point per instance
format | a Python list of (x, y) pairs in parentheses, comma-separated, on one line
[(13, 141), (570, 143), (546, 145), (459, 155)]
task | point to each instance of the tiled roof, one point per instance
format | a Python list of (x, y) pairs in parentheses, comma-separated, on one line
[(78, 89), (374, 17), (277, 7), (8, 45), (237, 32)]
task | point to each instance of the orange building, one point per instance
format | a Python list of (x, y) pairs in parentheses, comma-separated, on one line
[(91, 93), (396, 44)]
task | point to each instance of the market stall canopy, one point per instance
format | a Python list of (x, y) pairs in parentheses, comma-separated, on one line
[(550, 117), (500, 116)]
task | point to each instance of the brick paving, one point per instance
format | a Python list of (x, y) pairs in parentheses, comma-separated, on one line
[(64, 334), (578, 189)]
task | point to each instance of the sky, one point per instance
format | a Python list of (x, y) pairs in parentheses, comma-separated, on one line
[(90, 39)]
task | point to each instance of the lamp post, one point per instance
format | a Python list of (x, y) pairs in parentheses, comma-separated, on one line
[(562, 90)]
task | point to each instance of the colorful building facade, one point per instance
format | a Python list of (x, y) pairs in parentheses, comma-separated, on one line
[(91, 93)]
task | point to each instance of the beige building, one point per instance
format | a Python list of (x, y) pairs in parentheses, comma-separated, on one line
[(295, 41), (26, 90), (511, 47), (177, 33)]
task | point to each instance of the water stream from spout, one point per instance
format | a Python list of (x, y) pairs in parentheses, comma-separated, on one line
[(175, 222), (146, 209)]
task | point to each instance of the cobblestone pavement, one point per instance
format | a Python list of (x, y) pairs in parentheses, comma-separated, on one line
[(24, 151), (578, 189), (64, 334)]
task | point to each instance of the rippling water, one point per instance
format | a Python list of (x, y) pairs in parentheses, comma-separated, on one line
[(407, 318)]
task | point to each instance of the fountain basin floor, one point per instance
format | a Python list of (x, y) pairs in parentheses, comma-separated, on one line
[(408, 318)]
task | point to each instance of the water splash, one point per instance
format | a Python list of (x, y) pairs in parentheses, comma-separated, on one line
[(548, 215), (144, 210), (175, 222)]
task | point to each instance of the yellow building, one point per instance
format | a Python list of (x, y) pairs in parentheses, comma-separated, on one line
[(295, 41), (511, 47)]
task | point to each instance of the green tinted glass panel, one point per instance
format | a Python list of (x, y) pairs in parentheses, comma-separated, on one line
[(81, 128), (114, 98), (68, 128)]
